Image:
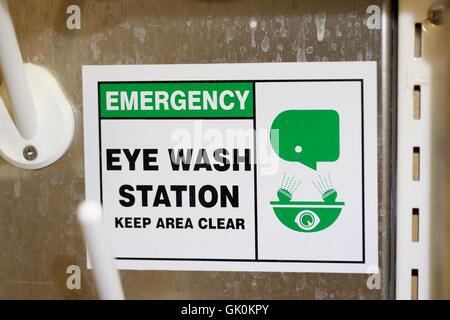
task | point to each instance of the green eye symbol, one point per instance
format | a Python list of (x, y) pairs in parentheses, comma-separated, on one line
[(307, 220)]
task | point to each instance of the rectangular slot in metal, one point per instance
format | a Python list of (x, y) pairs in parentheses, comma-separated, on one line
[(414, 284), (418, 41), (416, 102), (416, 164), (415, 225)]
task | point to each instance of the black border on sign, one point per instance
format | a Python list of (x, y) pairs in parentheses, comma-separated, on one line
[(361, 81)]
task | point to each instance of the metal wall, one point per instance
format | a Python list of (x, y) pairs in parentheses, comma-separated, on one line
[(39, 234)]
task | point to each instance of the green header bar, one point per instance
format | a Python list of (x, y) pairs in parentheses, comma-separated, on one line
[(176, 100)]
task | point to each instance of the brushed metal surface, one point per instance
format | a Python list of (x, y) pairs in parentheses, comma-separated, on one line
[(39, 234)]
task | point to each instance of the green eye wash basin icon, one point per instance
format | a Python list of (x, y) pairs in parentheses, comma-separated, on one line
[(307, 216)]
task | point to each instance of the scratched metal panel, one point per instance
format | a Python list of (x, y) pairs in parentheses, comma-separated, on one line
[(39, 235)]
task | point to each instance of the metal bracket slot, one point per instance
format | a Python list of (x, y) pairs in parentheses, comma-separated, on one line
[(416, 105), (415, 225), (414, 284), (418, 41)]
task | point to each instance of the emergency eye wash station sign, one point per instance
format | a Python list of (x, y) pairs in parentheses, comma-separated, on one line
[(235, 167)]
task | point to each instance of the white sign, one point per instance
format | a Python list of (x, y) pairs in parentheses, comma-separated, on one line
[(235, 167)]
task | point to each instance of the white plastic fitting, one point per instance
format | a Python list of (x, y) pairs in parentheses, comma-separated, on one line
[(43, 125)]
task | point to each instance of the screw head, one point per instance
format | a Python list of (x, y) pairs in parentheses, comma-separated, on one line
[(30, 153), (436, 14)]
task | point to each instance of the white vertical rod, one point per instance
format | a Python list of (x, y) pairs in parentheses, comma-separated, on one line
[(13, 71), (106, 275)]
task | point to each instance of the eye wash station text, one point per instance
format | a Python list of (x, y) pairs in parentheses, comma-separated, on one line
[(179, 195)]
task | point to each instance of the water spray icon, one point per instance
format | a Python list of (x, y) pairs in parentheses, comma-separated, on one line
[(325, 186), (288, 186)]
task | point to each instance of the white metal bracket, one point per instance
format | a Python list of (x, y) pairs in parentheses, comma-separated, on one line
[(420, 39)]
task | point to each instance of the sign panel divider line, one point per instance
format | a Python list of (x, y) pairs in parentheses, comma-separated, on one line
[(363, 181), (100, 144), (255, 170), (239, 260)]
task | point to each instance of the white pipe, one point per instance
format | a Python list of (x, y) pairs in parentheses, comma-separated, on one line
[(11, 65), (106, 275)]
